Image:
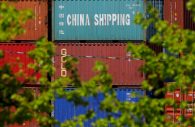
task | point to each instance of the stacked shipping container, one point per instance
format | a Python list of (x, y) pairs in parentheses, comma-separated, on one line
[(175, 12), (95, 20), (15, 54)]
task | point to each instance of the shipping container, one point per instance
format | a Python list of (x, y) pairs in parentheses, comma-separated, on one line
[(29, 123), (36, 27), (96, 20), (123, 69), (158, 4), (175, 11), (66, 110), (15, 54)]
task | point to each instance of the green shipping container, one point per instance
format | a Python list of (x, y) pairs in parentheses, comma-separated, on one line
[(96, 20)]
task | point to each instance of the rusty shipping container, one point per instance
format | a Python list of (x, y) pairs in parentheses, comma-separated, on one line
[(38, 26), (175, 11), (15, 54), (29, 123), (123, 69)]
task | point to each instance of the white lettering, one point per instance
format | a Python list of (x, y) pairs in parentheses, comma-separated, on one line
[(128, 21), (96, 20), (113, 18), (109, 18), (82, 21), (87, 21), (68, 20)]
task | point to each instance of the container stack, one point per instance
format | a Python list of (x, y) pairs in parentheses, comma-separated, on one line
[(15, 51), (175, 12), (99, 30)]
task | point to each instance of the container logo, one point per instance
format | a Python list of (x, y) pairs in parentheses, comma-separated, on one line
[(98, 20), (63, 62)]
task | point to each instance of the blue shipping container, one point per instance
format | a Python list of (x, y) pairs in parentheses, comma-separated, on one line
[(96, 20), (158, 4), (65, 110)]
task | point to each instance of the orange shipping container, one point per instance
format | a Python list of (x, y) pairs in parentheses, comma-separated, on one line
[(38, 26)]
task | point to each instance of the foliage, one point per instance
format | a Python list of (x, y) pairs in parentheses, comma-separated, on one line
[(11, 21), (17, 105), (177, 64)]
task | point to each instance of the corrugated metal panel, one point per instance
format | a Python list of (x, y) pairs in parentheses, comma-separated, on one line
[(174, 12), (38, 26), (158, 4), (31, 123), (96, 20), (15, 54), (124, 70), (65, 110)]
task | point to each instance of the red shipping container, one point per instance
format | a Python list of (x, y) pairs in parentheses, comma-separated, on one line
[(176, 95), (123, 70), (38, 26), (175, 11), (15, 54), (29, 123)]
